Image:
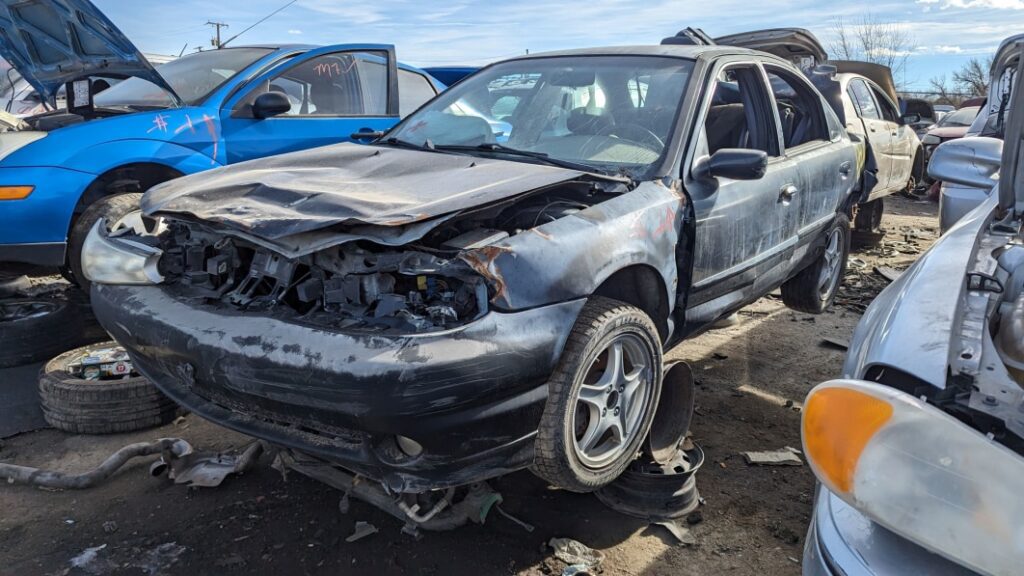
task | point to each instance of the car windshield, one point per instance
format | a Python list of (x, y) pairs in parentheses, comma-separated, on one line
[(959, 118), (193, 78), (609, 113)]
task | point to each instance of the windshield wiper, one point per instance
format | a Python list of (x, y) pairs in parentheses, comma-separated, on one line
[(427, 145), (542, 156)]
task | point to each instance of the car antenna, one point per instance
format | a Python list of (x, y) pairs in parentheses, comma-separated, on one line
[(262, 20)]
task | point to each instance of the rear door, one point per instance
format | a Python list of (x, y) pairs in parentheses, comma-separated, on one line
[(814, 147), (334, 92), (903, 141), (878, 131)]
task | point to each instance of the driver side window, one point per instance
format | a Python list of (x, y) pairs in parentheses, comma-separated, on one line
[(330, 85), (740, 115)]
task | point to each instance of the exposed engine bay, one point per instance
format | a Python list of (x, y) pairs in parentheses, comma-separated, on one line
[(986, 385), (361, 285)]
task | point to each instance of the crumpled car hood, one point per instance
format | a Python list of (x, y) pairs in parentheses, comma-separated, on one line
[(350, 184)]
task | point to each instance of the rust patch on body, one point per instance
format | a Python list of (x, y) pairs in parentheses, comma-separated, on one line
[(482, 262)]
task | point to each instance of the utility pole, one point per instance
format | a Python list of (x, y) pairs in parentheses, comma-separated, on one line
[(218, 26)]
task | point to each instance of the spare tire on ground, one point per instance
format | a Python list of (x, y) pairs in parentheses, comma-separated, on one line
[(34, 328), (94, 390)]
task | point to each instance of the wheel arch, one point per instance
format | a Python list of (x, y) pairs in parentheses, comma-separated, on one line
[(130, 177), (642, 286)]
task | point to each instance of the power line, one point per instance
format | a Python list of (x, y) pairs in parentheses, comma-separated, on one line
[(218, 25), (264, 19)]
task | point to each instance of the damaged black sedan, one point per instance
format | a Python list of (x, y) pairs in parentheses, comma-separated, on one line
[(489, 286)]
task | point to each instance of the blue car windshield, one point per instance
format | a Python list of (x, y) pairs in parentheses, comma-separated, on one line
[(611, 113), (193, 77)]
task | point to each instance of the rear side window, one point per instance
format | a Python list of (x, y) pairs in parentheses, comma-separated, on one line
[(413, 90), (862, 100), (799, 109)]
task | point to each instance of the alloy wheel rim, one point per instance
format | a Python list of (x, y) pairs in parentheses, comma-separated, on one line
[(829, 276), (612, 401)]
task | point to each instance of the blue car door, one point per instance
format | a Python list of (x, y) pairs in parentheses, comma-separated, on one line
[(331, 93)]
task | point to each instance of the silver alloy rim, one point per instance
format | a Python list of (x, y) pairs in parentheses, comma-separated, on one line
[(11, 312), (830, 271), (612, 401)]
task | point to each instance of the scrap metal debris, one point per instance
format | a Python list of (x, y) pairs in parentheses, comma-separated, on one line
[(362, 530), (837, 343), (890, 274), (786, 457), (171, 448), (682, 534), (207, 469), (575, 553)]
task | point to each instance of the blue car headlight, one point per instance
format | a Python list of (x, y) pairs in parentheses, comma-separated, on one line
[(111, 259)]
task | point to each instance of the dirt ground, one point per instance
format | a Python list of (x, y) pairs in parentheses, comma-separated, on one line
[(752, 378)]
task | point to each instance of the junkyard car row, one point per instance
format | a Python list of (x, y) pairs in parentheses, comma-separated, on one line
[(428, 287)]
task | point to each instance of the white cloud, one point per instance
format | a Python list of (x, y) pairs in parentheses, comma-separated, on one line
[(948, 49), (295, 32), (967, 4)]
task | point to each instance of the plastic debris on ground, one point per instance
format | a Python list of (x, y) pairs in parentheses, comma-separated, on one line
[(576, 554), (786, 457)]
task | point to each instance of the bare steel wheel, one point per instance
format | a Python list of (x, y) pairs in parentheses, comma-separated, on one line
[(602, 397), (612, 400)]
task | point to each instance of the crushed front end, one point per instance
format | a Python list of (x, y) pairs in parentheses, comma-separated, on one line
[(391, 361)]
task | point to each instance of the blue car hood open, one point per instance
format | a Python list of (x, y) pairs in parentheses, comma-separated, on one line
[(52, 42)]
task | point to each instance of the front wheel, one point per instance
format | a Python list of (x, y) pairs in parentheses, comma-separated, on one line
[(814, 288), (113, 209), (602, 397)]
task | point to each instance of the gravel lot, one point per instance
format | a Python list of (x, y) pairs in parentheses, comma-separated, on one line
[(752, 378)]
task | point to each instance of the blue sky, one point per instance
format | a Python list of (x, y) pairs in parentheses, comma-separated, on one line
[(426, 32)]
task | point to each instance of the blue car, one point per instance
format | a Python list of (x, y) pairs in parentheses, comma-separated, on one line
[(62, 171)]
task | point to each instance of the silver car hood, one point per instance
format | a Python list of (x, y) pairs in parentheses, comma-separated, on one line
[(911, 324)]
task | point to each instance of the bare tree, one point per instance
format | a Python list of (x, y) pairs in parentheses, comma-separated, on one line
[(973, 76), (873, 40), (944, 93)]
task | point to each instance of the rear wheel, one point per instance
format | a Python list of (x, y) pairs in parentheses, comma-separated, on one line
[(601, 398), (114, 209), (815, 287)]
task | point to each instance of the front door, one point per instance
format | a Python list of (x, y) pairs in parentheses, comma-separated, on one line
[(333, 92), (745, 229)]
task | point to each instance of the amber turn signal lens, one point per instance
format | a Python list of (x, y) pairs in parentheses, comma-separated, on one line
[(15, 192), (838, 423)]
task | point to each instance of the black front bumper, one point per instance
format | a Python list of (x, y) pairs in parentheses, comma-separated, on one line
[(472, 396)]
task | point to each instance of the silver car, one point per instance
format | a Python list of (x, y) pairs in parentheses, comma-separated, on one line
[(957, 198), (918, 449)]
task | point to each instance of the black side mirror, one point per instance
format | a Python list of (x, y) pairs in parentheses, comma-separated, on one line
[(270, 104), (911, 119), (735, 164)]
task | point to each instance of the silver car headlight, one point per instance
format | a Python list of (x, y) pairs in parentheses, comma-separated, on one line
[(931, 140), (108, 259), (919, 472)]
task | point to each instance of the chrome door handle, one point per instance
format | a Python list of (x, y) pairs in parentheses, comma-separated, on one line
[(845, 168), (787, 193)]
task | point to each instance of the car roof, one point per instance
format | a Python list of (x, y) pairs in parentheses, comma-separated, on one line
[(672, 50)]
